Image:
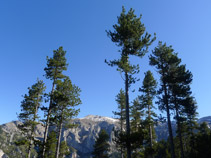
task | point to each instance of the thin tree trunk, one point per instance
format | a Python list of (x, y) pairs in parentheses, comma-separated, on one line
[(169, 122), (59, 138), (127, 115), (150, 126), (121, 129), (47, 122), (180, 136)]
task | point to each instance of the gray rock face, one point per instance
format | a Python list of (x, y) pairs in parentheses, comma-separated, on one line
[(2, 154), (83, 136)]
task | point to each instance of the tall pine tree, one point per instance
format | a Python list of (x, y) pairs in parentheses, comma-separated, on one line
[(65, 98), (129, 34), (54, 71), (163, 58), (149, 91)]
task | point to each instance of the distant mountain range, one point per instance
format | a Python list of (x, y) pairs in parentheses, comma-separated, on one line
[(82, 137)]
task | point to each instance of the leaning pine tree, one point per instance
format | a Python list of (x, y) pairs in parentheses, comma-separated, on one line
[(129, 34), (163, 58), (28, 116), (54, 71), (66, 97), (180, 80)]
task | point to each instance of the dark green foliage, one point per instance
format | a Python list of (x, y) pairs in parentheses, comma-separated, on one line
[(64, 150), (162, 150), (136, 114), (149, 91), (129, 34), (54, 71), (163, 59), (101, 146), (30, 104), (56, 65), (28, 115), (51, 145), (200, 143), (121, 113), (175, 95), (65, 98)]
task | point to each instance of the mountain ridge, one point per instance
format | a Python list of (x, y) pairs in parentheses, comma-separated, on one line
[(83, 136)]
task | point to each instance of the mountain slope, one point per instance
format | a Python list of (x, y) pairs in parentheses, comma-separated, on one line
[(82, 137)]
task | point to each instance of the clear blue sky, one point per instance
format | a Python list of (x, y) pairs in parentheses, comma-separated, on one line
[(30, 30)]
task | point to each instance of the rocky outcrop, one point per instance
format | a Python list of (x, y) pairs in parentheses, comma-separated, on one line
[(82, 137), (2, 154)]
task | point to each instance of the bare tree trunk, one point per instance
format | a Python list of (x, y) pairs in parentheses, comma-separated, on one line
[(121, 129), (59, 138), (47, 122), (150, 127), (169, 121), (127, 115)]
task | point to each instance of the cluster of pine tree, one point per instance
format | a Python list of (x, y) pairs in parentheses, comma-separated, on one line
[(136, 136), (62, 99)]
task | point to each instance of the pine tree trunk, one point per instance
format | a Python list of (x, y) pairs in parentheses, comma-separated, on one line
[(59, 137), (150, 126), (30, 147), (127, 115), (121, 129), (169, 122), (47, 122)]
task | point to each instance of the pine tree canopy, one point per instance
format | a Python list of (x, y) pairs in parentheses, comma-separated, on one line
[(56, 65), (101, 146)]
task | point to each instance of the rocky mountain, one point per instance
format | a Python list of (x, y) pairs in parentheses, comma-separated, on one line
[(81, 138)]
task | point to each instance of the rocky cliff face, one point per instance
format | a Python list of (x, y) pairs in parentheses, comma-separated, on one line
[(83, 136)]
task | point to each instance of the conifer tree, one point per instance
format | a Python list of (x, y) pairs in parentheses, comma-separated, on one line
[(137, 127), (163, 58), (149, 91), (121, 115), (101, 146), (129, 34), (54, 71), (29, 108), (51, 145), (175, 90), (190, 125), (137, 114), (180, 80), (64, 150), (65, 98)]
